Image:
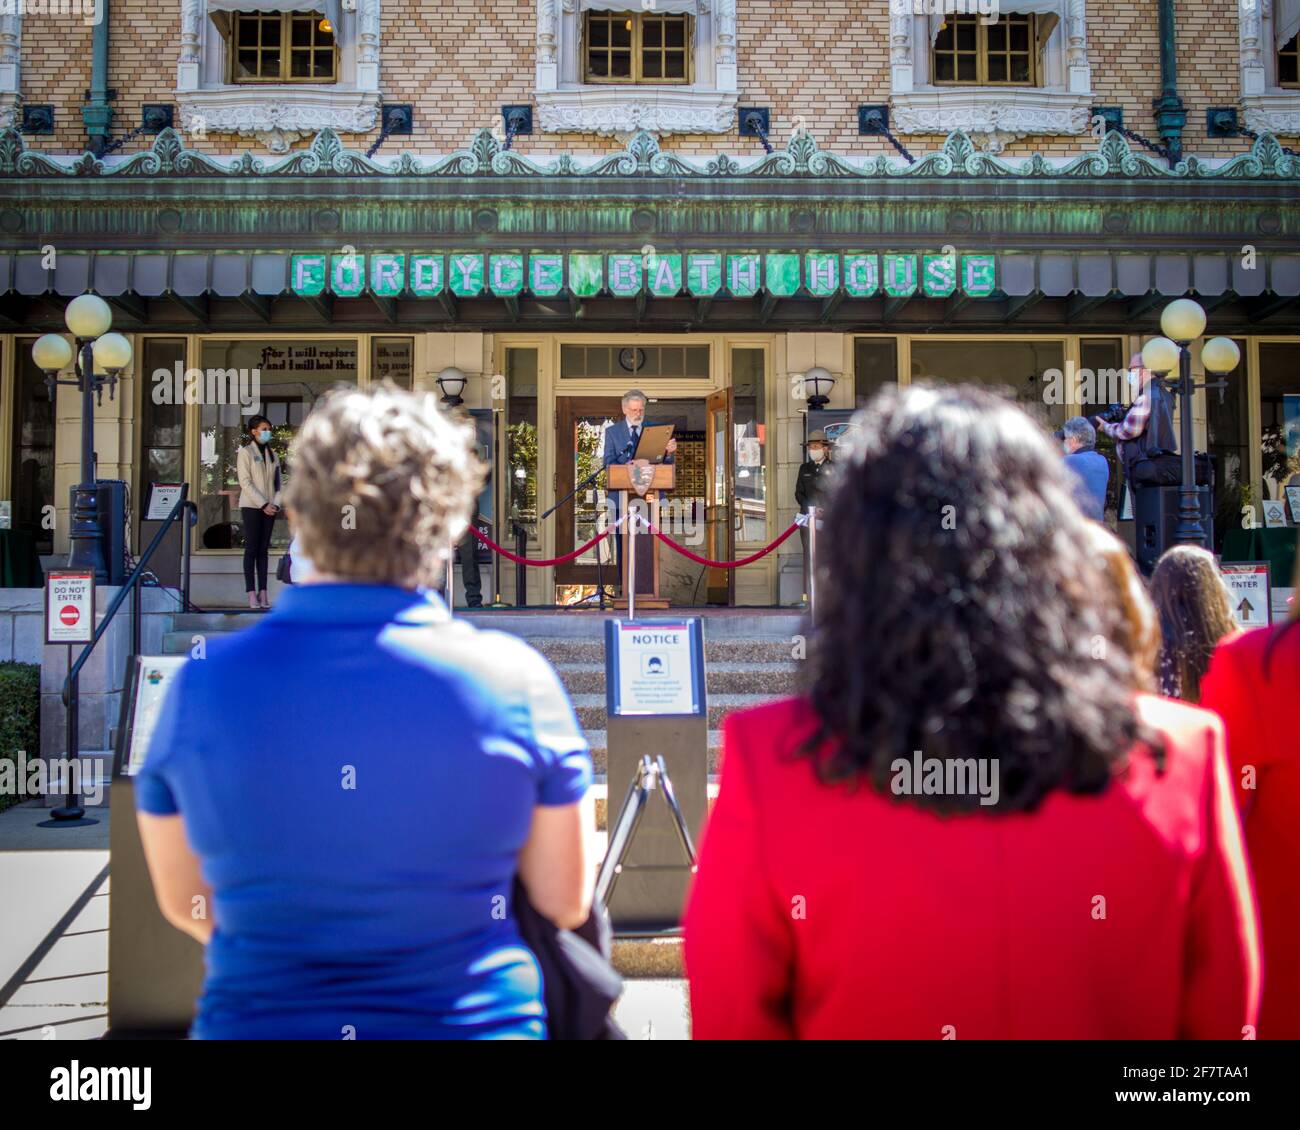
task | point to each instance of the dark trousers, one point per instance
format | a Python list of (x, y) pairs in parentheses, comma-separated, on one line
[(469, 570), (257, 545)]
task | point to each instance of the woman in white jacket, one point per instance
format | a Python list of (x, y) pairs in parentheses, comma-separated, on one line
[(259, 501)]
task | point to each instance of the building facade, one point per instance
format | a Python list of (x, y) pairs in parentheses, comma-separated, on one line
[(704, 199)]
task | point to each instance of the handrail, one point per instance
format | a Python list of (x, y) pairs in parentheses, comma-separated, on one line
[(131, 584)]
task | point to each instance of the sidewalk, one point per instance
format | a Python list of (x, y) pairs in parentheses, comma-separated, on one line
[(54, 945)]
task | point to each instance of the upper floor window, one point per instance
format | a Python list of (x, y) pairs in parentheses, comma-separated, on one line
[(282, 47), (636, 47), (969, 51), (1288, 63)]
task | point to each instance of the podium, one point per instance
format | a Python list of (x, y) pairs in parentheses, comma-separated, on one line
[(639, 484)]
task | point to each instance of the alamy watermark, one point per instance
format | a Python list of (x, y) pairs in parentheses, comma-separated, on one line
[(987, 10), (1084, 386), (88, 11), (37, 777), (946, 776), (179, 385)]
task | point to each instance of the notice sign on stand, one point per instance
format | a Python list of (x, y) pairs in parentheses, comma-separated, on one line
[(654, 667), (69, 606), (1248, 584), (162, 497)]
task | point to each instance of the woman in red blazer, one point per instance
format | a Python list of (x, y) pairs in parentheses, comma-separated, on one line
[(971, 826), (1254, 684)]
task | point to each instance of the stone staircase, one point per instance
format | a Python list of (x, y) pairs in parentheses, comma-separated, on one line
[(748, 659)]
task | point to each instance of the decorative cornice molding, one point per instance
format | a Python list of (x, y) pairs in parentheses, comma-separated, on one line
[(623, 110), (278, 117), (1277, 113), (642, 157), (994, 117)]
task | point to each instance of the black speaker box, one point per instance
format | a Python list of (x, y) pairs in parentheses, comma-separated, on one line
[(1155, 520)]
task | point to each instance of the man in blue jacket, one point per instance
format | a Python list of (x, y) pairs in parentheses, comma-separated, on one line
[(620, 447), (1091, 470)]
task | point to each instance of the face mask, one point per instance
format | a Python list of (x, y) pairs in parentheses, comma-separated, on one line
[(1135, 379), (817, 454), (264, 436)]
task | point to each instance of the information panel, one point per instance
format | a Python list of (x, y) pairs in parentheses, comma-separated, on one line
[(69, 606), (1251, 599), (150, 679), (654, 667)]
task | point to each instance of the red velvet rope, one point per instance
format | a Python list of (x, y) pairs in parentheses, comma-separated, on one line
[(657, 533), (722, 564), (487, 541)]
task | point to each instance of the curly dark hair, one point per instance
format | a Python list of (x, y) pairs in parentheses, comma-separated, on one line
[(962, 612)]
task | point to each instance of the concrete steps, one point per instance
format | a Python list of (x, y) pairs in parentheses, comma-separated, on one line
[(724, 678), (598, 742)]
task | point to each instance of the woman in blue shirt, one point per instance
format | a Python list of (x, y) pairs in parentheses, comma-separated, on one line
[(345, 845)]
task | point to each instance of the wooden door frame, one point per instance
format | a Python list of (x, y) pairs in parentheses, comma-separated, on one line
[(724, 398)]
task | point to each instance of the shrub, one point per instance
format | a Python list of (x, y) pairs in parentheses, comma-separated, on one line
[(20, 716)]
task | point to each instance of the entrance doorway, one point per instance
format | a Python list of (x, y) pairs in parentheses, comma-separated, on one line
[(582, 421)]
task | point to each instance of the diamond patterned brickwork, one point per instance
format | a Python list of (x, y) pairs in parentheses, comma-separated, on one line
[(459, 61)]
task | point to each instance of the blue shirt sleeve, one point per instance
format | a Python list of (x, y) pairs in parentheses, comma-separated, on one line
[(564, 766), (154, 783)]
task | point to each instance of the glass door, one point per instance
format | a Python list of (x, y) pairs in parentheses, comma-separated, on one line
[(581, 440), (718, 517)]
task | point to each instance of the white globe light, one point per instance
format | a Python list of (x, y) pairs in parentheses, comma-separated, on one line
[(1160, 355), (1220, 355), (821, 380), (52, 353), (112, 353), (88, 315), (1183, 320)]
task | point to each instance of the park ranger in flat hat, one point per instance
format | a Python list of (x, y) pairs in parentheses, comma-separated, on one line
[(811, 486)]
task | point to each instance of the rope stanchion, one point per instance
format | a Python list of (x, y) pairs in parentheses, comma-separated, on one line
[(539, 563), (663, 537)]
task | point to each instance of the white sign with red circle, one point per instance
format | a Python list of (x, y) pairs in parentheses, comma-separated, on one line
[(69, 606)]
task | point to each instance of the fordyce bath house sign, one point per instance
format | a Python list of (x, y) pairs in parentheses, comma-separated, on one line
[(702, 274)]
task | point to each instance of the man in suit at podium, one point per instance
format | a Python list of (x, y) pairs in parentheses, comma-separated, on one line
[(622, 438), (620, 446)]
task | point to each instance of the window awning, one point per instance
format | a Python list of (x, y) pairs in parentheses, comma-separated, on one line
[(1050, 8), (661, 7), (328, 8), (1120, 275), (1286, 21)]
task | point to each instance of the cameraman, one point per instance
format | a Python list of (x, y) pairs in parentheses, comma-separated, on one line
[(1145, 437)]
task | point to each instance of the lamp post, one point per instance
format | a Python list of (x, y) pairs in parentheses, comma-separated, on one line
[(88, 318), (1183, 321)]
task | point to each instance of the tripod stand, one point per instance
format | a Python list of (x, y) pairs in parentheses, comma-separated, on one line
[(650, 776)]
